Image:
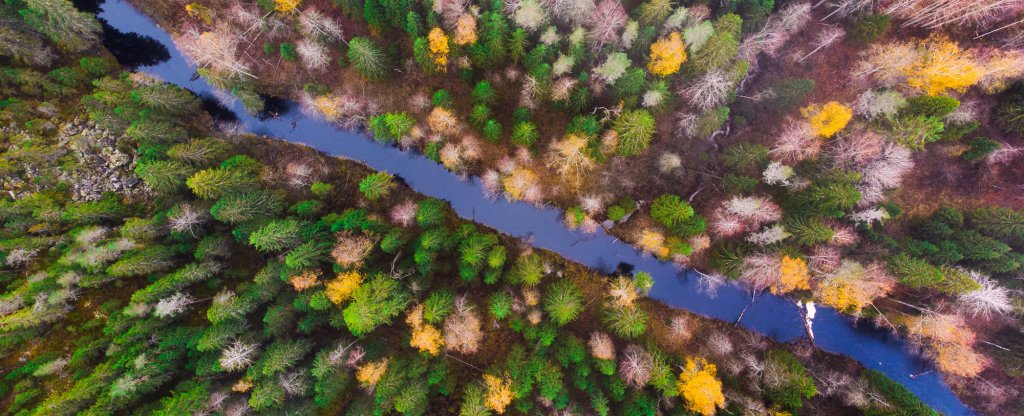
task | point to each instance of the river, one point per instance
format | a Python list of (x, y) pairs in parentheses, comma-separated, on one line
[(771, 315)]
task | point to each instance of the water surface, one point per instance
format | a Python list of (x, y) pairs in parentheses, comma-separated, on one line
[(771, 315)]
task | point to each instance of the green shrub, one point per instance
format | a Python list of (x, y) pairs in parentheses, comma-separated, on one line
[(287, 51)]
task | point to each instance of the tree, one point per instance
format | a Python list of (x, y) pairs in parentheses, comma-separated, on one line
[(499, 393), (164, 176), (915, 272), (213, 183), (425, 337), (851, 287), (483, 93), (829, 119), (628, 322), (563, 301), (999, 222), (670, 210), (438, 47), (787, 380), (465, 30), (276, 235), (239, 207), (941, 67), (525, 134), (199, 152), (700, 387), (343, 286), (462, 332), (366, 58), (613, 67), (793, 275), (667, 55), (635, 129), (430, 212), (62, 23), (374, 303), (376, 185), (390, 127), (605, 22), (636, 366)]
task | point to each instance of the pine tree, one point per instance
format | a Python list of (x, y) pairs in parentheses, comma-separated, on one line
[(200, 152), (62, 23), (670, 210), (377, 185), (213, 183), (239, 207), (999, 222), (635, 129), (525, 134), (366, 57), (390, 127), (164, 176), (563, 301), (277, 235)]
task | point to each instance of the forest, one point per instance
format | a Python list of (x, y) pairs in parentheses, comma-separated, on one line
[(860, 155)]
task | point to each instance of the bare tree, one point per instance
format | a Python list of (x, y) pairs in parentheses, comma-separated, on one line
[(173, 305), (827, 37), (934, 14), (215, 50), (315, 24), (601, 346), (636, 366), (760, 271), (709, 91), (989, 299), (462, 328), (605, 22), (313, 54), (237, 356), (796, 143)]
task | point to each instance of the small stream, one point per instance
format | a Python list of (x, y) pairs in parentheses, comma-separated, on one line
[(774, 316)]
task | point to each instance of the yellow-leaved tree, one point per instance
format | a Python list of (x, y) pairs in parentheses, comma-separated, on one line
[(370, 373), (465, 30), (499, 393), (425, 336), (438, 45), (667, 55), (652, 242), (286, 6), (943, 66), (700, 387), (828, 119), (342, 287), (793, 275), (519, 184)]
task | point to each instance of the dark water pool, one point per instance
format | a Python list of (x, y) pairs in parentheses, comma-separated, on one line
[(774, 316)]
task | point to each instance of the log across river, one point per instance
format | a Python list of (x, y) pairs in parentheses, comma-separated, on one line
[(542, 227)]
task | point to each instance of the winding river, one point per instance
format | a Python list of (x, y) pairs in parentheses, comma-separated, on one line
[(774, 316)]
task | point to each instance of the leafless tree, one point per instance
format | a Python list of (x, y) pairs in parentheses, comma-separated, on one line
[(462, 328), (294, 383), (605, 22), (601, 346), (173, 305), (237, 356), (843, 9), (315, 24), (215, 50), (574, 12), (989, 299), (709, 91), (760, 271), (776, 32), (795, 143), (718, 344), (933, 14), (827, 37), (636, 366), (313, 54)]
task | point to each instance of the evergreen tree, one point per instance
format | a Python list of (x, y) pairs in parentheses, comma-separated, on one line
[(635, 129), (366, 57), (377, 185)]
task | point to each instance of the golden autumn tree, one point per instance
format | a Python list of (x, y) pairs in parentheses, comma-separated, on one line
[(667, 55), (370, 373), (499, 393), (519, 183), (652, 242), (699, 386), (793, 275), (441, 120), (287, 6), (943, 66), (828, 119), (465, 30), (425, 336), (438, 47), (852, 286), (342, 287)]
